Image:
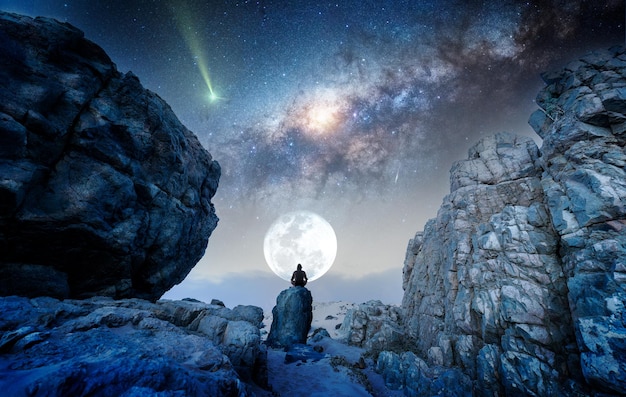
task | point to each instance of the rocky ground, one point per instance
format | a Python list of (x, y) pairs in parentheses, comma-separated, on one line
[(133, 347), (329, 366)]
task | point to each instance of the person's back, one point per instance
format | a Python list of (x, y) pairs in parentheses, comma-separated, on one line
[(299, 278)]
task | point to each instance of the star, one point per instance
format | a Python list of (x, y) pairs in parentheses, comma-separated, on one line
[(355, 110)]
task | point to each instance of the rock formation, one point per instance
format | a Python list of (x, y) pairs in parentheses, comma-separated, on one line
[(485, 291), (130, 347), (517, 286), (102, 190), (583, 126), (292, 317), (374, 326)]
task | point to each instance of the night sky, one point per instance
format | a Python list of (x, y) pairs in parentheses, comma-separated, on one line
[(354, 110)]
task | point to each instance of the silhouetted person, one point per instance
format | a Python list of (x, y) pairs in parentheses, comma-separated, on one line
[(298, 278)]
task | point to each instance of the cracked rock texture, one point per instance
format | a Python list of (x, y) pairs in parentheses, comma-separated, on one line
[(130, 347), (291, 317), (518, 285), (102, 190), (374, 326)]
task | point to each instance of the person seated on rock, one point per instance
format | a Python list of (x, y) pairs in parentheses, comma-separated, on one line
[(299, 278)]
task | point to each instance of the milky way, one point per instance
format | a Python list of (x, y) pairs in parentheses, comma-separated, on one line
[(353, 109), (349, 100), (341, 98)]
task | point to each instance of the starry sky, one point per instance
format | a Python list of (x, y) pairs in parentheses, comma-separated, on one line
[(355, 110)]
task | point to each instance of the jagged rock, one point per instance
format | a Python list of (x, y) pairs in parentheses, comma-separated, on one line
[(237, 332), (519, 281), (408, 372), (584, 155), (102, 190), (486, 274), (102, 346), (375, 326), (409, 260), (292, 317)]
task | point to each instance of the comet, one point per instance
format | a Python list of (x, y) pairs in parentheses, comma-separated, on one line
[(187, 27)]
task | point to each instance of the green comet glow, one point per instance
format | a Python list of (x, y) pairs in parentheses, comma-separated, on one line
[(186, 25)]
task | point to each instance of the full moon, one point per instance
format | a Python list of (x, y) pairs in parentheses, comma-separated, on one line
[(300, 237)]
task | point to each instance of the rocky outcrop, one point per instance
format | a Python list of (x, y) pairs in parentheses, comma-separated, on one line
[(106, 347), (292, 317), (102, 190), (374, 326), (485, 291), (583, 125), (237, 334), (412, 374), (518, 284)]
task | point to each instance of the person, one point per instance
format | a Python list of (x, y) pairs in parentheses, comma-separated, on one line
[(298, 278)]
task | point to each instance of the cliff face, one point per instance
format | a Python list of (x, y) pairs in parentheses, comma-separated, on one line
[(102, 190), (584, 180), (518, 284)]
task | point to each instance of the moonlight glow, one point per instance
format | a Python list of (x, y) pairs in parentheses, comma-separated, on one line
[(300, 237)]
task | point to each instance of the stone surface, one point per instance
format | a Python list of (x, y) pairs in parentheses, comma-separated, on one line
[(518, 283), (292, 317), (374, 326), (102, 190), (237, 333), (585, 185), (101, 346), (410, 373), (485, 275)]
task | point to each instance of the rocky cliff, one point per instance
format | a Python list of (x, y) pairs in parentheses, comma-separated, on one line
[(517, 286), (102, 190)]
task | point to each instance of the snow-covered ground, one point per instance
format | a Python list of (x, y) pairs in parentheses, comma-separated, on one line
[(337, 371)]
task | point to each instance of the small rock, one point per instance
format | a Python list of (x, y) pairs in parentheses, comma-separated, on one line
[(217, 302)]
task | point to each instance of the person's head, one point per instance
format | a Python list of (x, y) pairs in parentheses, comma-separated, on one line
[(299, 266)]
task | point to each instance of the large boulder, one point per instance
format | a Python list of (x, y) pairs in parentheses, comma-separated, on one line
[(102, 190), (132, 347), (292, 317)]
